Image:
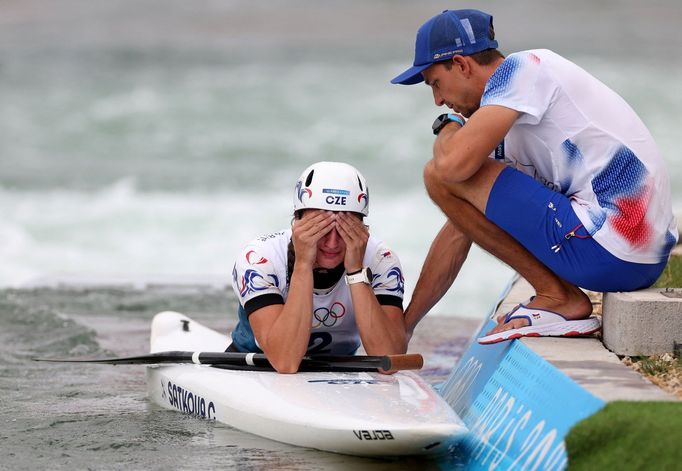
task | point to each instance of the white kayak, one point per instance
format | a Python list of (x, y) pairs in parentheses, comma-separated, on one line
[(358, 413)]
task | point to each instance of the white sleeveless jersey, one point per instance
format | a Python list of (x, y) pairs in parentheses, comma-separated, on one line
[(261, 268), (578, 137)]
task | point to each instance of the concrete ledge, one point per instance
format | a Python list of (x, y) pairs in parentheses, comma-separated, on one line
[(586, 361), (645, 322)]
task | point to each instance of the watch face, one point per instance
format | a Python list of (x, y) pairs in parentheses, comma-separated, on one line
[(437, 123)]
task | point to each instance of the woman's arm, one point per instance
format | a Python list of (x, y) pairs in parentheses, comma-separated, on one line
[(381, 328), (283, 331)]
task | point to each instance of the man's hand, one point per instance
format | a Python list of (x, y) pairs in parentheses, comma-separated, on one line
[(355, 234), (307, 231)]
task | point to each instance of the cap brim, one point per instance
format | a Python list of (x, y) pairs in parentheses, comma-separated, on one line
[(411, 76)]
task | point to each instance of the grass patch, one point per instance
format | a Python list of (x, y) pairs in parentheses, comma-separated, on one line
[(653, 366), (665, 371), (672, 274), (628, 436)]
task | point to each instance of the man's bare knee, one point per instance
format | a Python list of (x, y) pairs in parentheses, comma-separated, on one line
[(475, 190), (429, 174), (435, 186)]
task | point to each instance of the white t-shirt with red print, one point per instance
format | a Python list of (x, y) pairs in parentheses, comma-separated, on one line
[(580, 138)]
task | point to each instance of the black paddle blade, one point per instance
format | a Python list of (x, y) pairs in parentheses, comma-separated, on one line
[(148, 359)]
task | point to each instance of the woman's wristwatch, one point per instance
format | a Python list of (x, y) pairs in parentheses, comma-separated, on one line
[(364, 275)]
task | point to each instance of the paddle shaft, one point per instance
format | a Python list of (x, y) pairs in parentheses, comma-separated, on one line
[(412, 361)]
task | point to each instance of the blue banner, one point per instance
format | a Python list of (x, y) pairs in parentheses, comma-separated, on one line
[(518, 408)]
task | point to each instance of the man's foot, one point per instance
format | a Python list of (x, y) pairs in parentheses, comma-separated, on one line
[(539, 323), (575, 306)]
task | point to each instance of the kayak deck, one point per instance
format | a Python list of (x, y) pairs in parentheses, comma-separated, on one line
[(354, 413)]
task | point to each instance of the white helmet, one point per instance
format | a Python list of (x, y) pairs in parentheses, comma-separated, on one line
[(334, 186)]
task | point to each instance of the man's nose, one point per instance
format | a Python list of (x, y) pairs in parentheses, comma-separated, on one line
[(437, 98)]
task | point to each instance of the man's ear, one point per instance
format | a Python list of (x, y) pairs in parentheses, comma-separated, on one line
[(462, 64)]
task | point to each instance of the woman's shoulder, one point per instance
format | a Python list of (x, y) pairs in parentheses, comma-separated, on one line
[(380, 251), (376, 243), (267, 247), (273, 238)]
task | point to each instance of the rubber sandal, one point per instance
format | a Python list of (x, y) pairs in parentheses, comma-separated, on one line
[(542, 323)]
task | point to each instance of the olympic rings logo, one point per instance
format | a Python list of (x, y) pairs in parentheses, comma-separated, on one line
[(328, 317)]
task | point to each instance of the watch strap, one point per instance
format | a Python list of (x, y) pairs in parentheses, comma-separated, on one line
[(361, 276)]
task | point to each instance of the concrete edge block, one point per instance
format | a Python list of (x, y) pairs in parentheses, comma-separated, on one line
[(644, 322)]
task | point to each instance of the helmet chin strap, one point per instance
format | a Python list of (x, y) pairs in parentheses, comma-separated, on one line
[(324, 278)]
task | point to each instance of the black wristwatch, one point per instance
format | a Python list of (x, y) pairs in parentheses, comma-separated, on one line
[(444, 119)]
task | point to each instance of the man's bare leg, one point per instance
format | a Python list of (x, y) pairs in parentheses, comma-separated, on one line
[(464, 204)]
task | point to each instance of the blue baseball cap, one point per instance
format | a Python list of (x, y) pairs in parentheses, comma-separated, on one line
[(453, 32)]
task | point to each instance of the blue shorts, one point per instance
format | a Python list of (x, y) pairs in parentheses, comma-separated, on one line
[(540, 219)]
